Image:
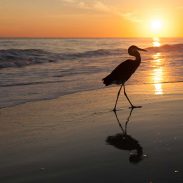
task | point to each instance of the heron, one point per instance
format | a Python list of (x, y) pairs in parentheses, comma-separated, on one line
[(123, 72)]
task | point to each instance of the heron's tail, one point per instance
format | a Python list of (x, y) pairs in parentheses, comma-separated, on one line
[(107, 80)]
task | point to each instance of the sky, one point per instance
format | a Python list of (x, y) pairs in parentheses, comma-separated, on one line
[(91, 18)]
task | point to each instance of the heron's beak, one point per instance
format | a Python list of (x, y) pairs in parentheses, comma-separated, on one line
[(140, 49)]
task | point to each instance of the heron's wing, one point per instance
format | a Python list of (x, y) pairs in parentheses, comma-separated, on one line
[(124, 70)]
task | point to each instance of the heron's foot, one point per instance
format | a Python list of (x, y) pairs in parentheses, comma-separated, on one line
[(114, 110), (133, 107)]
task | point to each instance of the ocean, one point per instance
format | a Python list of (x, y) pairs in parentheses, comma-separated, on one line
[(42, 69)]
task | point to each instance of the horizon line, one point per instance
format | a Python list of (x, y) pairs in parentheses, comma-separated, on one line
[(115, 37)]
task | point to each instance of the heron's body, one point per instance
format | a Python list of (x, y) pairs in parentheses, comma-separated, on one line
[(124, 71)]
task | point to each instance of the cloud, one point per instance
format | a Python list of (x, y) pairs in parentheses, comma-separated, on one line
[(131, 16), (68, 1), (99, 6), (95, 5)]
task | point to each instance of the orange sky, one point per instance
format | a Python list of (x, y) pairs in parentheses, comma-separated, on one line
[(86, 18)]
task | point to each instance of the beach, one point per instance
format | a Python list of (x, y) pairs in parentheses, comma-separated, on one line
[(65, 139), (91, 91)]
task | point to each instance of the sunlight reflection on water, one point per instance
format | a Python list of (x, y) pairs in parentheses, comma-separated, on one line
[(158, 71), (158, 74), (156, 42)]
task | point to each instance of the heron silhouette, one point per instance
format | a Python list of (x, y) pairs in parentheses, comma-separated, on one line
[(123, 72), (123, 141)]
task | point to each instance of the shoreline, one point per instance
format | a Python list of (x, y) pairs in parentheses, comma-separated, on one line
[(150, 85)]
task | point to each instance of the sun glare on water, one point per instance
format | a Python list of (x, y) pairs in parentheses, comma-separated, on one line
[(158, 74), (156, 28), (156, 42)]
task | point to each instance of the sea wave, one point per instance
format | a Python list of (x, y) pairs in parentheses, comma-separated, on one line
[(25, 57), (29, 83), (22, 57), (167, 48)]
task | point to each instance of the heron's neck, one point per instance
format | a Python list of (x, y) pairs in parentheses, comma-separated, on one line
[(137, 57)]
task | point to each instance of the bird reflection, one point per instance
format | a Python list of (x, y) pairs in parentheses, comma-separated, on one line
[(123, 141)]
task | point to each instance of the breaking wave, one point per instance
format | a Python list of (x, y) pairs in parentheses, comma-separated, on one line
[(25, 57), (20, 57), (167, 48)]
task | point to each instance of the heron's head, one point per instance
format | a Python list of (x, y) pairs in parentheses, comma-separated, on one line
[(132, 50)]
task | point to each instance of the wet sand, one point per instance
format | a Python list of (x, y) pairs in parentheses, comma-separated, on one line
[(74, 138)]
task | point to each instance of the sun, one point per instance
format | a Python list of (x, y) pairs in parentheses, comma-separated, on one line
[(156, 26)]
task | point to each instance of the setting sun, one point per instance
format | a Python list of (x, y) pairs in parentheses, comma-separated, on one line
[(156, 26)]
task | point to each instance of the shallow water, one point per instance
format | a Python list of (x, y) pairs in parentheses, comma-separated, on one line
[(38, 69)]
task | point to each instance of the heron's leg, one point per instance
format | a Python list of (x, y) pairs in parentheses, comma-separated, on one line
[(117, 98), (132, 106), (127, 97)]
